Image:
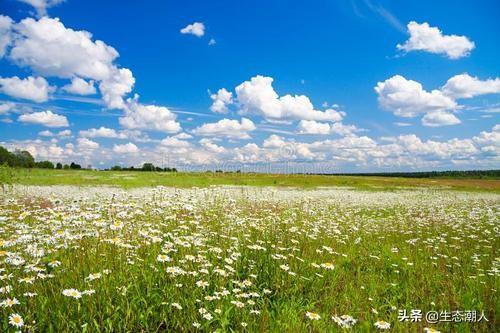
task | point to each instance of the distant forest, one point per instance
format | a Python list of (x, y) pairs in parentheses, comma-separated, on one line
[(476, 174)]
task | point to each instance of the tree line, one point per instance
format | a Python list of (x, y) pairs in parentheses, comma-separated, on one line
[(477, 174), (145, 167), (23, 159)]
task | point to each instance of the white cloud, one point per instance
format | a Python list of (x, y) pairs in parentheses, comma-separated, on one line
[(5, 108), (274, 141), (128, 148), (117, 85), (183, 136), (439, 118), (42, 5), (314, 127), (50, 49), (407, 98), (64, 133), (61, 134), (430, 39), (46, 133), (174, 142), (33, 88), (101, 132), (211, 146), (44, 118), (227, 128), (149, 117), (79, 86), (5, 33), (403, 152), (342, 129), (257, 96), (466, 86), (212, 42), (221, 100), (197, 29), (86, 144)]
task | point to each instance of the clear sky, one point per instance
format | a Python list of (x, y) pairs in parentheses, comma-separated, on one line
[(320, 86)]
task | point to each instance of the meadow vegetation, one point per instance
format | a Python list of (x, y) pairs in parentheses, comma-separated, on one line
[(133, 179), (254, 259)]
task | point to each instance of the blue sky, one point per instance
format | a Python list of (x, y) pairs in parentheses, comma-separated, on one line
[(332, 54)]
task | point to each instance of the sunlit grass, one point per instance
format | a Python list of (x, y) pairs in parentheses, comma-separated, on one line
[(234, 260), (133, 179)]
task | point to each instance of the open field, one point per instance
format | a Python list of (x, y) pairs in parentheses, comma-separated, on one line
[(246, 259), (142, 179)]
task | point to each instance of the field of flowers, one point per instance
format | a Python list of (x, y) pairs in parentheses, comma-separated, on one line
[(242, 259)]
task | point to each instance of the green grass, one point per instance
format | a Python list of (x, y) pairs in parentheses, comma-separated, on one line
[(180, 179), (431, 252)]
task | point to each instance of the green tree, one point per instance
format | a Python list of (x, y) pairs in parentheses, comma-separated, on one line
[(24, 159), (44, 165), (148, 167), (75, 166)]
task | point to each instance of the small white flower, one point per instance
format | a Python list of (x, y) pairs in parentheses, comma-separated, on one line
[(382, 325), (313, 315), (16, 320), (72, 293)]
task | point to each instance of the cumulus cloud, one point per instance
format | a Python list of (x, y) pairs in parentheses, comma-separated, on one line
[(149, 117), (86, 144), (174, 142), (5, 33), (221, 100), (62, 134), (227, 128), (79, 86), (345, 153), (42, 5), (5, 108), (430, 39), (258, 97), (32, 88), (211, 146), (439, 118), (407, 98), (183, 136), (315, 127), (274, 141), (197, 29), (101, 132), (117, 85), (51, 49), (44, 118), (128, 148), (46, 133), (466, 86)]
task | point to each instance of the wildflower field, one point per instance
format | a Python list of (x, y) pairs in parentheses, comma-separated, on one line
[(248, 259)]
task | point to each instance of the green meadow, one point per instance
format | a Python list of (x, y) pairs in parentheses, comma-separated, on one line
[(131, 179), (293, 253)]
